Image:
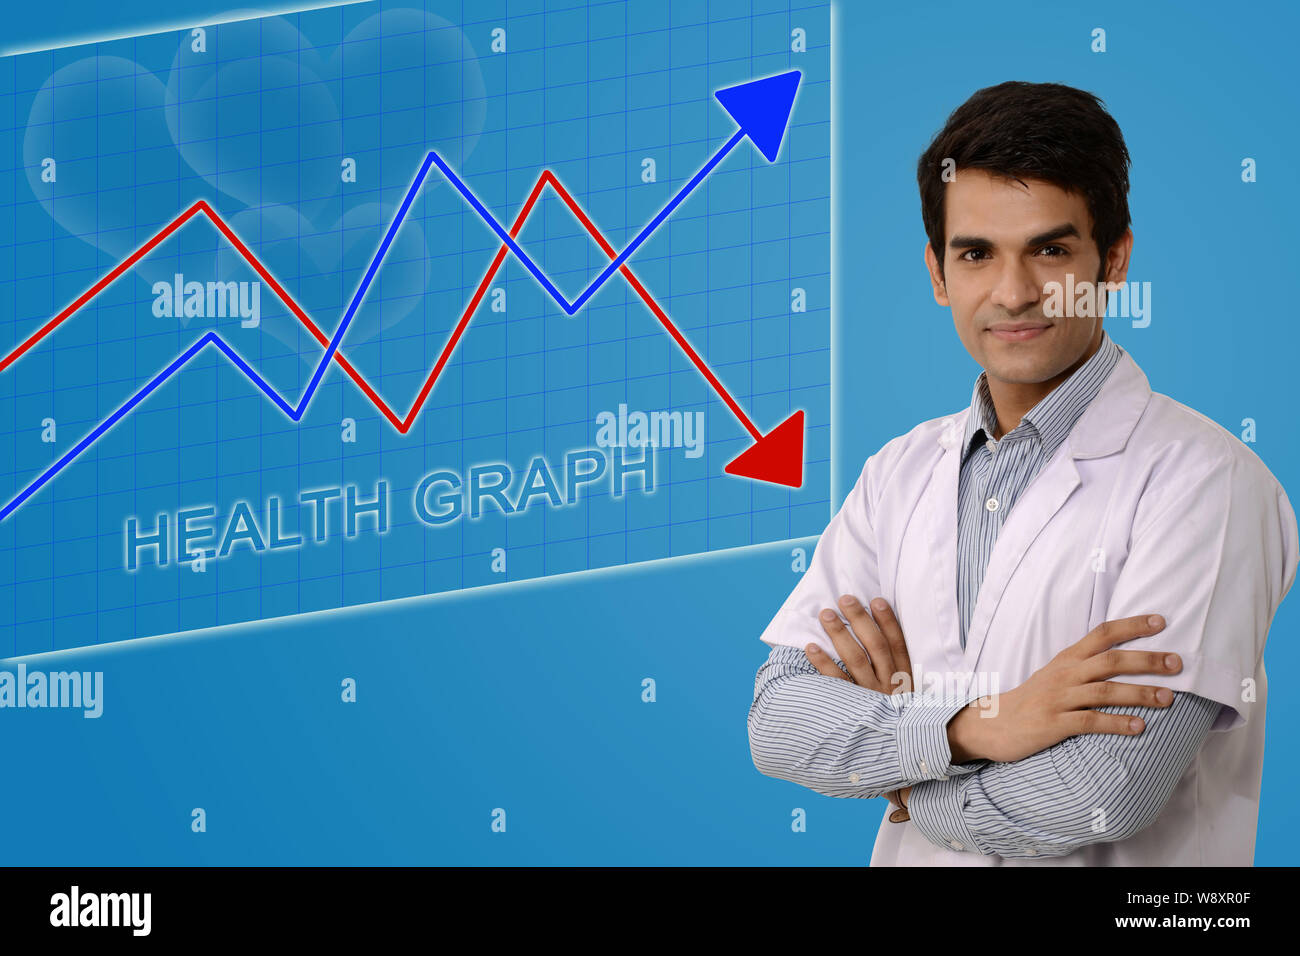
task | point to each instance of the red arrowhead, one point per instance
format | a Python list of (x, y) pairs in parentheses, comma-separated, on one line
[(776, 457)]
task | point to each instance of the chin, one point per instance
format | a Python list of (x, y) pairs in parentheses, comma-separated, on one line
[(1027, 372)]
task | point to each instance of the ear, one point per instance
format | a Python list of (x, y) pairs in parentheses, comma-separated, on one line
[(936, 280), (1117, 258)]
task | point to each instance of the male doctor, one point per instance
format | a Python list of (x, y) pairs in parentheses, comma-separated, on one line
[(1037, 624)]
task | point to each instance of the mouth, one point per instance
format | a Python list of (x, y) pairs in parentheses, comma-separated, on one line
[(1018, 332)]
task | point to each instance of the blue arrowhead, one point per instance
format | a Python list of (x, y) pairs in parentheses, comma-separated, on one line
[(761, 108)]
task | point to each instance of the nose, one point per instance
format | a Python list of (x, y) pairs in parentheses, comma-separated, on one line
[(1015, 287)]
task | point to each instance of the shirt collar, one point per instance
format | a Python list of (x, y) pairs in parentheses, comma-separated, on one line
[(1051, 420)]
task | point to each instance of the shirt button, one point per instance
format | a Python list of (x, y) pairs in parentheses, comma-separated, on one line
[(991, 445), (854, 778), (924, 769), (991, 504), (955, 845), (1032, 852)]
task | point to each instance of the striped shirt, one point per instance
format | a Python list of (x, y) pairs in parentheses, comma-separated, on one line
[(843, 740), (995, 472)]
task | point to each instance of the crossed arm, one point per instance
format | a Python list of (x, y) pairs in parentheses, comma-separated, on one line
[(844, 740)]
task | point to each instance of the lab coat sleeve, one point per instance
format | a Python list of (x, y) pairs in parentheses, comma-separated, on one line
[(1214, 552), (844, 562), (825, 733)]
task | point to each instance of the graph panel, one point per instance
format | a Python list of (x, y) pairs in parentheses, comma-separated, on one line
[(361, 303)]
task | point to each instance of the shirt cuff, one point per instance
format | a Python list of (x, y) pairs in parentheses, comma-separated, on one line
[(923, 750), (938, 808)]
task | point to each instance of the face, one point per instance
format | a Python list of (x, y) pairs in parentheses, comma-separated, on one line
[(1004, 242)]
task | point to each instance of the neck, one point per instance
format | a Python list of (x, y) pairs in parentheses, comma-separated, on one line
[(1012, 399)]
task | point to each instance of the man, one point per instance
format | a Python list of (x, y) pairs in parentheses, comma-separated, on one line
[(1046, 565)]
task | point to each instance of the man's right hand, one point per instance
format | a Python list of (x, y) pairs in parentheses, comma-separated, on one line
[(1055, 702)]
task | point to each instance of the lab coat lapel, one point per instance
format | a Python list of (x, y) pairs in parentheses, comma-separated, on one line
[(941, 510), (1037, 505), (1103, 429)]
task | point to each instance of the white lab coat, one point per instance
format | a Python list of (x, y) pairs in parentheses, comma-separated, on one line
[(1146, 507)]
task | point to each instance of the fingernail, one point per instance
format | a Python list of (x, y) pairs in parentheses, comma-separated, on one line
[(1171, 661), (828, 615), (878, 604), (1155, 620), (1164, 695), (811, 649), (1135, 724), (847, 601)]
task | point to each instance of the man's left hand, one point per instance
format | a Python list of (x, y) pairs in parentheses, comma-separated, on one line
[(875, 654), (874, 651)]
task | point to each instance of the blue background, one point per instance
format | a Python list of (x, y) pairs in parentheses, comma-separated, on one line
[(527, 696)]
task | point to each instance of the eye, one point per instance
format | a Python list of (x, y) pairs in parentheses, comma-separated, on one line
[(981, 252), (1060, 251)]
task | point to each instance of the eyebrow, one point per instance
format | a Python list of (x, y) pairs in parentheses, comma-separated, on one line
[(978, 242)]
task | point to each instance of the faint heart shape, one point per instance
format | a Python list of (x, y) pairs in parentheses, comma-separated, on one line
[(219, 115)]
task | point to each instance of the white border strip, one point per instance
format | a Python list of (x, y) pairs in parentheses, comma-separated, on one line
[(453, 594), (835, 256), (234, 17)]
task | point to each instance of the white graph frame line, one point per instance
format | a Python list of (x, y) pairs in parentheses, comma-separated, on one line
[(235, 16)]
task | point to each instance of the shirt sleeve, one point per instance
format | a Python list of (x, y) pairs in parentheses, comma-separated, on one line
[(1092, 788), (844, 740), (1213, 550)]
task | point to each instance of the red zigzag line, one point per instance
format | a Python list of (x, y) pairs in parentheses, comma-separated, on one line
[(402, 424)]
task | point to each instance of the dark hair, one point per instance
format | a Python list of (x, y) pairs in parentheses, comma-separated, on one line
[(1044, 131)]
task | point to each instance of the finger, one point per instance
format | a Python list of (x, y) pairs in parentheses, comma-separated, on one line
[(850, 651), (887, 621), (1109, 633), (1095, 722), (1115, 694), (822, 661), (869, 636), (1114, 662)]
